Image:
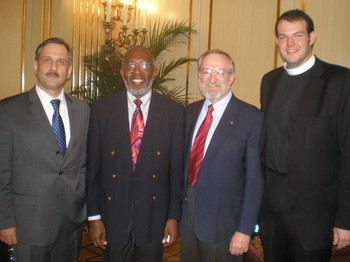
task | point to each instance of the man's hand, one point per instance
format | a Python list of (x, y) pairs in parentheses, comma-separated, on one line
[(97, 233), (171, 232), (239, 244), (9, 236), (341, 238)]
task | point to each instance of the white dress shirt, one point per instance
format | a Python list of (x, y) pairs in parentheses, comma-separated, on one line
[(219, 108), (45, 101)]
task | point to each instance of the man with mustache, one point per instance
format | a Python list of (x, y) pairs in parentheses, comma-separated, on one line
[(43, 135), (223, 185), (135, 166)]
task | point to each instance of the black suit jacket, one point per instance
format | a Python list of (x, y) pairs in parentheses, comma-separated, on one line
[(155, 189), (318, 180)]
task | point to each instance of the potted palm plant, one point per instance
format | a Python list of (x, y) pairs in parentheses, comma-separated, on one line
[(104, 66)]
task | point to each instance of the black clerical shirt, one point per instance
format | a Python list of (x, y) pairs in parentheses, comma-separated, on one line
[(281, 120)]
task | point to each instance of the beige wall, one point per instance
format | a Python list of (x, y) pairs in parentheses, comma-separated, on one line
[(10, 47), (245, 29)]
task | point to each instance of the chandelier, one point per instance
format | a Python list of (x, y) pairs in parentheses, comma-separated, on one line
[(121, 11)]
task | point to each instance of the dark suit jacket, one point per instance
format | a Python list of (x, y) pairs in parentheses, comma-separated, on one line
[(318, 180), (155, 189), (40, 191), (229, 183)]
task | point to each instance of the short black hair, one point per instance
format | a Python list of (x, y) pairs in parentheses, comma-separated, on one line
[(54, 40), (296, 15)]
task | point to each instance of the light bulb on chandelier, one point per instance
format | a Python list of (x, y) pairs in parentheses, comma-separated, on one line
[(122, 12)]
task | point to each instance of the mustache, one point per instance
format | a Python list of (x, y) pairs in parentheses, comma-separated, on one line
[(52, 74)]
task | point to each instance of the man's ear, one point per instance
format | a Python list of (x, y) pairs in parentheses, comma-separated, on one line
[(35, 67), (155, 73), (313, 37)]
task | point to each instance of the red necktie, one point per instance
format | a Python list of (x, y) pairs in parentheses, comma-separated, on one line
[(136, 132), (197, 152)]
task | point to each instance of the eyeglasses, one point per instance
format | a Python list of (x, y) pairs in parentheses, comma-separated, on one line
[(207, 72), (143, 65)]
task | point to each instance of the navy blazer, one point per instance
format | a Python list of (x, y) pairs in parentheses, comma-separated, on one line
[(229, 183), (153, 193), (318, 180)]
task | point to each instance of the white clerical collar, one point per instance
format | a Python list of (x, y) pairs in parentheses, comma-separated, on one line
[(301, 69)]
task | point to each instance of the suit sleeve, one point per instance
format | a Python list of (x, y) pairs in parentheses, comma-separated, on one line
[(176, 166), (253, 180), (93, 165), (7, 217), (343, 213)]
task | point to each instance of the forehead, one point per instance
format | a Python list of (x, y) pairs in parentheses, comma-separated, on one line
[(284, 25), (139, 54), (215, 60), (54, 50)]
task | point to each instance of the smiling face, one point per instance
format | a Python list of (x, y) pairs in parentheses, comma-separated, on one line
[(294, 42), (138, 71), (215, 76), (52, 68)]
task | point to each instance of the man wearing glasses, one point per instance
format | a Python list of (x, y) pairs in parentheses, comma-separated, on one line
[(223, 185), (135, 166)]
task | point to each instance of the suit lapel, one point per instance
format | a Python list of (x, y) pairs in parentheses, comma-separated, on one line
[(74, 122), (119, 121), (269, 98), (224, 128), (152, 126), (40, 116)]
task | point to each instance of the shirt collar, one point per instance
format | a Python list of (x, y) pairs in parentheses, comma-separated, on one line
[(220, 106), (45, 98), (145, 98), (301, 69)]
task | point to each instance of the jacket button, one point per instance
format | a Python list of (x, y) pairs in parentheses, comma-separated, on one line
[(109, 198), (114, 176), (158, 153), (154, 198), (154, 176), (113, 153), (60, 173)]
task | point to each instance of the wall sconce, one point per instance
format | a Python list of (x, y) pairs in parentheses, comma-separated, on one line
[(122, 11)]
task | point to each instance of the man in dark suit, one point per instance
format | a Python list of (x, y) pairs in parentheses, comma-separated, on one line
[(135, 177), (305, 148), (222, 167), (42, 173)]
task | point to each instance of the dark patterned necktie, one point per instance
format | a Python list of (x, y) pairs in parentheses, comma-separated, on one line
[(136, 132), (58, 127), (197, 152)]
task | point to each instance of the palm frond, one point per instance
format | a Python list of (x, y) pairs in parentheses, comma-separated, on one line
[(162, 37), (104, 66)]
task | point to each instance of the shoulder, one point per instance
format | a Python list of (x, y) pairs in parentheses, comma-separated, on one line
[(194, 105), (14, 102), (79, 103), (333, 69), (273, 74), (246, 108), (165, 102), (113, 100)]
